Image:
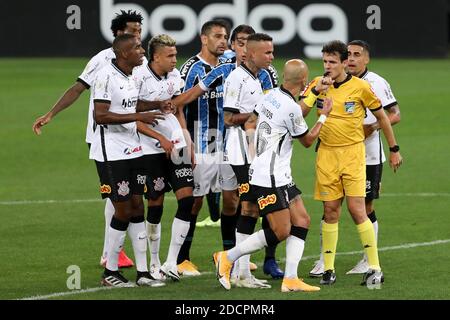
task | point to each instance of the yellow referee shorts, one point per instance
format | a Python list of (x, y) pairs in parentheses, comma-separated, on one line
[(340, 171)]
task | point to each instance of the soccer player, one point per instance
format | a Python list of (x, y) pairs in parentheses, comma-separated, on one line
[(117, 151), (340, 163), (216, 79), (127, 22), (279, 121), (241, 94), (204, 122), (161, 144), (358, 59)]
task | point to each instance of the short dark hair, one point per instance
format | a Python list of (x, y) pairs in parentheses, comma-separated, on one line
[(120, 40), (259, 37), (336, 47), (360, 43), (242, 28), (208, 25), (119, 23)]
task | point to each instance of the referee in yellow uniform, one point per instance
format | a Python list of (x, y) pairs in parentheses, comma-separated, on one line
[(340, 163)]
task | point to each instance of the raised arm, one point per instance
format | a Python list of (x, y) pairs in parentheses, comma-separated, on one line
[(67, 99)]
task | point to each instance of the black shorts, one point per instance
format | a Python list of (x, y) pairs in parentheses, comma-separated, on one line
[(293, 191), (373, 181), (121, 179), (244, 187), (270, 200), (163, 175)]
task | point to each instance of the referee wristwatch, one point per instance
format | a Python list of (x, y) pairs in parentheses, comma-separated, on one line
[(395, 148)]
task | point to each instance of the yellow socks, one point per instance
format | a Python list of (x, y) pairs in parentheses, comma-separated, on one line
[(367, 235), (329, 243)]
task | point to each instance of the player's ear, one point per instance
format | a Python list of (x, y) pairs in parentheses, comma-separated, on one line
[(204, 39)]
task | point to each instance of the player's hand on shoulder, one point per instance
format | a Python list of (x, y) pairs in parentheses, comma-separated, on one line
[(150, 117)]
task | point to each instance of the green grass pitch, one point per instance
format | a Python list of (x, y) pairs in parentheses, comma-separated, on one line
[(39, 239)]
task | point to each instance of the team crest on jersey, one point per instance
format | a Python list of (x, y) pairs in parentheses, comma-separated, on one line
[(171, 88), (244, 188), (265, 201), (159, 184), (124, 188), (350, 106), (105, 189)]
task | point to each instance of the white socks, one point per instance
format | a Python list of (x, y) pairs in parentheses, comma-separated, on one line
[(180, 229), (294, 253), (138, 236), (154, 241), (115, 243), (109, 213)]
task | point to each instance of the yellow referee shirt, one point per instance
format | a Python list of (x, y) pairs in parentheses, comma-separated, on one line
[(344, 125)]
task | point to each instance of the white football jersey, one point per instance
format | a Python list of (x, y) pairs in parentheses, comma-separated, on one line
[(242, 92), (116, 141), (382, 89), (87, 78), (279, 120), (156, 88)]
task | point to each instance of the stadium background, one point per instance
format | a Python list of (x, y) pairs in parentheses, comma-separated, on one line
[(50, 214)]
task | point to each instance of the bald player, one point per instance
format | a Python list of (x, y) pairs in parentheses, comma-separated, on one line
[(279, 119)]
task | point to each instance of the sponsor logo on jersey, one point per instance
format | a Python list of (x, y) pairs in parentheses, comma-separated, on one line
[(129, 151), (105, 189), (244, 188), (141, 179), (265, 201), (124, 188)]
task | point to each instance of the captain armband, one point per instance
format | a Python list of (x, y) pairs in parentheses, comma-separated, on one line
[(311, 98)]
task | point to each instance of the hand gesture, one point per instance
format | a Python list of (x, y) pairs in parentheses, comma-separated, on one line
[(167, 146), (324, 83), (150, 117), (327, 106), (40, 122), (167, 107), (395, 160)]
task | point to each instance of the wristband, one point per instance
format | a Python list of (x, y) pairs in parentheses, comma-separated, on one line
[(322, 118), (310, 99)]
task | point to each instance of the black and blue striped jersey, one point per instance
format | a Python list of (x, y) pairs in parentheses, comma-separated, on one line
[(204, 116)]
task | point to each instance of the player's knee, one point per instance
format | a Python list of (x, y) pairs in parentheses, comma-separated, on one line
[(185, 208), (282, 231), (154, 214)]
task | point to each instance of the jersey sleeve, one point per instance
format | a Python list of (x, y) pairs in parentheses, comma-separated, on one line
[(102, 88), (232, 94), (89, 73), (268, 78), (296, 125), (369, 98), (213, 79), (308, 88), (383, 91)]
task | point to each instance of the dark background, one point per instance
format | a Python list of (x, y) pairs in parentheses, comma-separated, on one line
[(408, 29)]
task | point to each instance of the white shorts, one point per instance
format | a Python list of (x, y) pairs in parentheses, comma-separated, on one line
[(206, 174), (227, 178)]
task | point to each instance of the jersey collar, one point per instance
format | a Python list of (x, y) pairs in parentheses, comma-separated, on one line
[(338, 84), (115, 66), (363, 74), (157, 77), (243, 66), (286, 92)]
